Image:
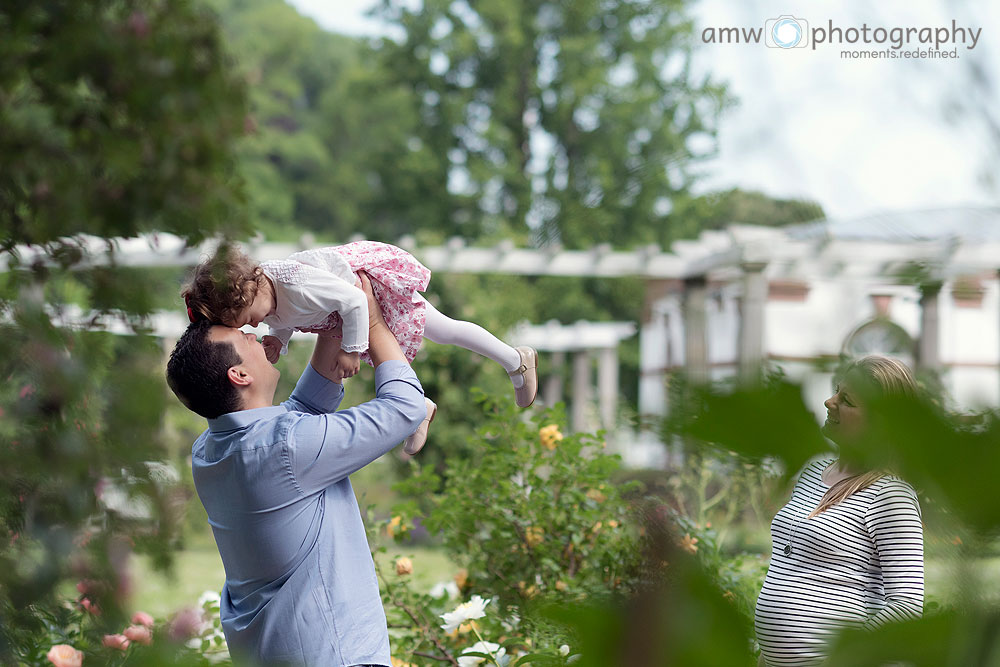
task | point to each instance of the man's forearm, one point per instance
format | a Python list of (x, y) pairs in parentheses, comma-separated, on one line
[(324, 357), (383, 346)]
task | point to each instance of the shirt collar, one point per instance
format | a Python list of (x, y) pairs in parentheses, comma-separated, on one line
[(232, 421)]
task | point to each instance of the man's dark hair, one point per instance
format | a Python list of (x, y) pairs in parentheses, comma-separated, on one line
[(197, 372)]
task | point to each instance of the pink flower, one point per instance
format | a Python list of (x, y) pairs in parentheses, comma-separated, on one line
[(186, 624), (139, 25), (64, 655), (90, 606), (119, 642), (142, 618), (139, 634)]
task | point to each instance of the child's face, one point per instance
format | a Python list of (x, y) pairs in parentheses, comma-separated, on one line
[(262, 306)]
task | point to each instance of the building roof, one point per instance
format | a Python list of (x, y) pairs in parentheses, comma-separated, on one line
[(965, 223)]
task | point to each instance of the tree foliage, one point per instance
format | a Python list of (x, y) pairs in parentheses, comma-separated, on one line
[(716, 210), (119, 118), (329, 129), (575, 121)]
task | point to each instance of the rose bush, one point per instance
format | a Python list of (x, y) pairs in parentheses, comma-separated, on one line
[(72, 636), (533, 519)]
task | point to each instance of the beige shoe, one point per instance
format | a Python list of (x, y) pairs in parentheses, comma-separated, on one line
[(415, 442), (525, 394)]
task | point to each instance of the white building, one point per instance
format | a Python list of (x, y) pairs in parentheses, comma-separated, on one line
[(921, 285)]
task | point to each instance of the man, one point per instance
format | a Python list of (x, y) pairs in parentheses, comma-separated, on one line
[(300, 582)]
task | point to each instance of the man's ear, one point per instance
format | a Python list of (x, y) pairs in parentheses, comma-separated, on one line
[(239, 377)]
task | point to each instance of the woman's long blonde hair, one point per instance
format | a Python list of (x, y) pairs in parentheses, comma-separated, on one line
[(887, 377)]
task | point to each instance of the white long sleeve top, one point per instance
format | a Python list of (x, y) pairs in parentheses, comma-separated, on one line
[(311, 285)]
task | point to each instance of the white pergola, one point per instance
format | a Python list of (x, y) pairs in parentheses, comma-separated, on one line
[(583, 340), (742, 261)]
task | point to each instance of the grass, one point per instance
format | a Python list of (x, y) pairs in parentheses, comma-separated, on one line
[(430, 565), (198, 568)]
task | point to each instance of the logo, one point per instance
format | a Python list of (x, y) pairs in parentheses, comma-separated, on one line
[(786, 32)]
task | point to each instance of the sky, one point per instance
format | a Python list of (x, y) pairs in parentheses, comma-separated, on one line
[(857, 136)]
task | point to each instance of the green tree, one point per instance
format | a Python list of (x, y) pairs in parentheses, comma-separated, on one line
[(576, 121), (715, 210), (328, 128), (120, 119)]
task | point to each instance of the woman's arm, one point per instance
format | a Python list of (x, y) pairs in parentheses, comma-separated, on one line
[(893, 522)]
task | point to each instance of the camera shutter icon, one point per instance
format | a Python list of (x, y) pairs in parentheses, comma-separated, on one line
[(786, 32)]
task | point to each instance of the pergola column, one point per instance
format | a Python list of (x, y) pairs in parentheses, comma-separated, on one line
[(752, 320), (553, 389), (695, 346), (654, 349), (927, 349), (607, 387), (581, 390)]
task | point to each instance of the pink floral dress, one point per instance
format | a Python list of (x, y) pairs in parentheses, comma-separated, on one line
[(396, 275)]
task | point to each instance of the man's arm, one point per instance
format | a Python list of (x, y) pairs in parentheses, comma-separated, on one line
[(382, 344), (311, 393), (326, 448), (314, 394)]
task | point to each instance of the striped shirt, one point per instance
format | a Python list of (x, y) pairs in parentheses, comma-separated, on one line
[(858, 564)]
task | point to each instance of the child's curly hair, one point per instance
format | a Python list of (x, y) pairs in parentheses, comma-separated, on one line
[(221, 287)]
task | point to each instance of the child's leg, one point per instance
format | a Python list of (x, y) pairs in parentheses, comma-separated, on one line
[(446, 331)]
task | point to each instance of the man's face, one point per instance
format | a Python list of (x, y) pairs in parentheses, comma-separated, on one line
[(252, 354)]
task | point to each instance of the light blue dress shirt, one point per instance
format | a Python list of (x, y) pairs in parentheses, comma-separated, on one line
[(300, 582)]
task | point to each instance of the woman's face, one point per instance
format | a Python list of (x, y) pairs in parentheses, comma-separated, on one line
[(846, 415)]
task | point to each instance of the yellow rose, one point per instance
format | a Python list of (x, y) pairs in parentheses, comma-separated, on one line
[(550, 436), (393, 526), (404, 566)]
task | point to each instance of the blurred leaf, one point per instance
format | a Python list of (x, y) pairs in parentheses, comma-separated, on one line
[(951, 639), (757, 422)]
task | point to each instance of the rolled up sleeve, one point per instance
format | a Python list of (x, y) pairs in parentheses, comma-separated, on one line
[(314, 394), (325, 448)]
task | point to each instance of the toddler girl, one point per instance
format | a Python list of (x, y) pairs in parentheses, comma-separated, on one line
[(317, 290)]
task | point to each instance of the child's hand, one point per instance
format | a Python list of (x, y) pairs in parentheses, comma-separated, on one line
[(272, 348), (347, 364)]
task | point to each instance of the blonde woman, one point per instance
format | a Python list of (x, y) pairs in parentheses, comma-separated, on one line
[(847, 549)]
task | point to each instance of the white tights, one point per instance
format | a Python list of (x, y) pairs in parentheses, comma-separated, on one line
[(440, 328)]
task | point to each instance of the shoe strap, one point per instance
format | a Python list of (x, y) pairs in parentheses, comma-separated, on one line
[(518, 371)]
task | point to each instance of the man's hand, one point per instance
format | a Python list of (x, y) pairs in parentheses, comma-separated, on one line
[(346, 364), (374, 310), (382, 343), (272, 348)]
